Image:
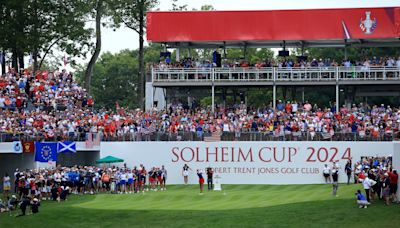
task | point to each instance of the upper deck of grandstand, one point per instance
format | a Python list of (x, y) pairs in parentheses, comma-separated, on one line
[(287, 72)]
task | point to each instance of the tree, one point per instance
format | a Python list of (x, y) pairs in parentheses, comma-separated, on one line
[(176, 7), (58, 23), (115, 76), (207, 8), (98, 14), (114, 79), (353, 53), (37, 26), (132, 13)]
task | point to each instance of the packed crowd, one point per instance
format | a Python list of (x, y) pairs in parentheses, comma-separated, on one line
[(376, 175), (58, 183), (283, 63), (51, 106), (44, 104)]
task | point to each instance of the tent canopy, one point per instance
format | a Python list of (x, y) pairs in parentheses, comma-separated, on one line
[(109, 159), (272, 28)]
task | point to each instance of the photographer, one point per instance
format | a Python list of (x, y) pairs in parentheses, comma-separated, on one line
[(348, 170), (210, 173), (3, 207), (35, 203), (361, 200), (12, 203), (25, 202)]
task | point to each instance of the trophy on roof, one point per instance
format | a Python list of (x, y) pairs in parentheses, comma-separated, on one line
[(368, 25)]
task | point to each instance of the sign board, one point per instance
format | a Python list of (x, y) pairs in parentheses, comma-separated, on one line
[(268, 162)]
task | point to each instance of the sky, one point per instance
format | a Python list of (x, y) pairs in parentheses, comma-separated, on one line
[(124, 38)]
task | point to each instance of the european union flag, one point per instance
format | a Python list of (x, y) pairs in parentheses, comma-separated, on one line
[(46, 152)]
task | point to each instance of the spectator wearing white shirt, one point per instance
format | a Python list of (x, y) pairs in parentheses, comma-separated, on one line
[(367, 184), (398, 63), (327, 173)]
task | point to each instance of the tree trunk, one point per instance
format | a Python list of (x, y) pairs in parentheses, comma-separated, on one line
[(47, 51), (3, 61), (141, 78), (14, 62), (21, 62), (95, 56), (35, 61), (35, 52)]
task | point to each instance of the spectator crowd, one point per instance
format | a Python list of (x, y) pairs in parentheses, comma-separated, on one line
[(33, 186), (52, 106), (376, 176), (282, 63)]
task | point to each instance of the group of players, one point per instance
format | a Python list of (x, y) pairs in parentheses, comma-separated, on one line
[(124, 181)]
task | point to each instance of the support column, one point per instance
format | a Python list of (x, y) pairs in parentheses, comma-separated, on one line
[(177, 55), (165, 97), (245, 52), (274, 96), (224, 50), (302, 95), (212, 98), (337, 98), (152, 97)]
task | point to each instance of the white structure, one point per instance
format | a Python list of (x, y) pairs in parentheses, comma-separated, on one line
[(217, 183), (269, 162)]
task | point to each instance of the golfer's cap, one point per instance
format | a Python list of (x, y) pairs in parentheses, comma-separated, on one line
[(35, 200), (13, 196), (386, 174)]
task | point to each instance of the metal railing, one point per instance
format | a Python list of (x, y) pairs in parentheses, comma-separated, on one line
[(275, 74), (225, 136)]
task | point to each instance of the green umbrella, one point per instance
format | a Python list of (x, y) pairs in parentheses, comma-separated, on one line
[(109, 159)]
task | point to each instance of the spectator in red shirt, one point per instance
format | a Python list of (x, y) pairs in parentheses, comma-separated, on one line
[(393, 177)]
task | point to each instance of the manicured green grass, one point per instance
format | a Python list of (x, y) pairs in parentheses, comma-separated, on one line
[(236, 206)]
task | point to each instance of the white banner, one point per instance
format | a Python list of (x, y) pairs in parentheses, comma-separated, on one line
[(247, 162)]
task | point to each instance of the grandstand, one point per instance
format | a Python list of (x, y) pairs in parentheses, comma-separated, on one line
[(343, 32)]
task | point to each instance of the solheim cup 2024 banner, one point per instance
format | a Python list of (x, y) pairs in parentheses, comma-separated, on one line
[(247, 162)]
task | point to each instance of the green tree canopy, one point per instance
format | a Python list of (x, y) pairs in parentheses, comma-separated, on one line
[(115, 77)]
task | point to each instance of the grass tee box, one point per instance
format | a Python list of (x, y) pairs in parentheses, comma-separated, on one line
[(235, 206)]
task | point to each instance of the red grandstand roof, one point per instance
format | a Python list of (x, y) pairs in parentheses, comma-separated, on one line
[(271, 27)]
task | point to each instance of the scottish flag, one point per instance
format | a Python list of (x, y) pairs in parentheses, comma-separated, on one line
[(66, 147), (45, 152)]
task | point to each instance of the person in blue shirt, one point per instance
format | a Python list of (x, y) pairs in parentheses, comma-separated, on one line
[(280, 106), (361, 200)]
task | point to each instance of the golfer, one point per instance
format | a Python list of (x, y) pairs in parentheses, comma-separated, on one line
[(185, 173), (335, 184), (201, 180)]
